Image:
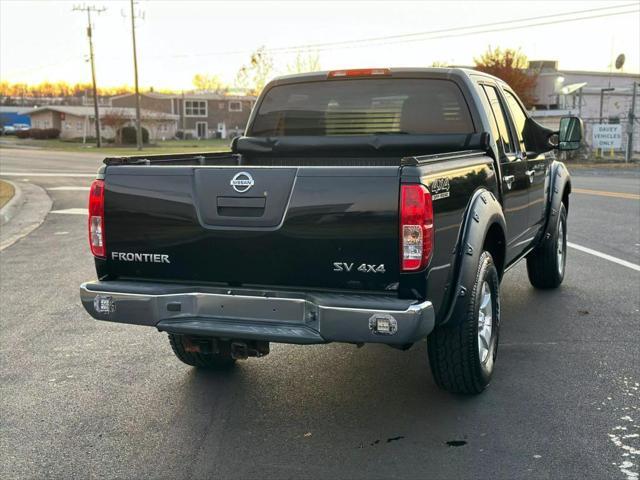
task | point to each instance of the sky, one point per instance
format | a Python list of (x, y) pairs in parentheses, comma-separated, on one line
[(46, 40)]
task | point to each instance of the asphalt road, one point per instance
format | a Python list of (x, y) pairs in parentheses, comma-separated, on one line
[(87, 399)]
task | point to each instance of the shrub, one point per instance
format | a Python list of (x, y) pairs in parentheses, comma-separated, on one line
[(37, 133), (52, 133), (180, 135), (129, 135), (43, 133), (23, 133)]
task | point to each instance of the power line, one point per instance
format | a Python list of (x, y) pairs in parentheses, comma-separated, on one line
[(417, 36), (466, 34), (446, 30)]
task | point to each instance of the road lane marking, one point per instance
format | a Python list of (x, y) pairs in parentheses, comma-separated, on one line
[(48, 174), (619, 261), (604, 193), (69, 189), (72, 211)]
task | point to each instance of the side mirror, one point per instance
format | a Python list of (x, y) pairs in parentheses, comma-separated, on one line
[(570, 134), (234, 144)]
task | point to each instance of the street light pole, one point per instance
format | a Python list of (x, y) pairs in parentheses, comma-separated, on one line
[(135, 70), (631, 125)]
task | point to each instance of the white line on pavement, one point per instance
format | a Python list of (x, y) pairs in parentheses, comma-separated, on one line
[(43, 174), (63, 189), (72, 211), (619, 261)]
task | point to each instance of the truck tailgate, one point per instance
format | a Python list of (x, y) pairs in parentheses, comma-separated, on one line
[(296, 227)]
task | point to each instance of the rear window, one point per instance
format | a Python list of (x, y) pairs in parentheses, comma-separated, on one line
[(362, 107)]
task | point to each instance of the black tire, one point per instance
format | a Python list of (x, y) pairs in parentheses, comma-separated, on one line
[(454, 351), (222, 359), (544, 265)]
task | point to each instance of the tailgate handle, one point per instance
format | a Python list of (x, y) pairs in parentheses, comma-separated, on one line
[(241, 206), (242, 202)]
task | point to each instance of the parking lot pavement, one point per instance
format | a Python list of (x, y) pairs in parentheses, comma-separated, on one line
[(81, 398), (40, 161)]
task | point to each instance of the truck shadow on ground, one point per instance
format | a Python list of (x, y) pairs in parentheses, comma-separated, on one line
[(303, 396), (301, 400)]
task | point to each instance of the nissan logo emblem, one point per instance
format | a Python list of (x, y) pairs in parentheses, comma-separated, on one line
[(242, 182)]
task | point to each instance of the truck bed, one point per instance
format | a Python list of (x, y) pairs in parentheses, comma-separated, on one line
[(356, 150)]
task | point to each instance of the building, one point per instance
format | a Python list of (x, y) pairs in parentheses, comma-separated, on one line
[(79, 122), (200, 115), (596, 97), (10, 115), (79, 99)]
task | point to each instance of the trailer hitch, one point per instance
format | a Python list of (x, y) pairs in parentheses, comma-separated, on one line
[(241, 350)]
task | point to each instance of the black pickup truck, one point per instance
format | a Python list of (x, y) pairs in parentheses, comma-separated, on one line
[(362, 206)]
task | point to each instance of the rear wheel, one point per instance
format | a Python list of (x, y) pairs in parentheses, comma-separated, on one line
[(201, 352), (546, 264), (462, 355)]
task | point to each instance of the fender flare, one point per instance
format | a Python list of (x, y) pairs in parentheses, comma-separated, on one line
[(484, 211), (559, 182)]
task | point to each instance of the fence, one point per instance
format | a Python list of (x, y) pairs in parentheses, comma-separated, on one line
[(589, 151)]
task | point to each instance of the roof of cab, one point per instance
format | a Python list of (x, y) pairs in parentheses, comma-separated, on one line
[(399, 72)]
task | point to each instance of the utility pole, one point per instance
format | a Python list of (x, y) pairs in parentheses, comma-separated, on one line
[(135, 73), (96, 110), (632, 119)]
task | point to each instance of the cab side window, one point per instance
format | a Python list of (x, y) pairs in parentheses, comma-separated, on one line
[(504, 137), (493, 124), (518, 115)]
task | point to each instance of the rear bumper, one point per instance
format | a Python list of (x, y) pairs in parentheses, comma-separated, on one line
[(273, 316)]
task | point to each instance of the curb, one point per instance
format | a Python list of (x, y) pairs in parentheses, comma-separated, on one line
[(13, 205), (23, 213)]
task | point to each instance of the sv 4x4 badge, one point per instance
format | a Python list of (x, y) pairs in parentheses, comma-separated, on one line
[(439, 188), (362, 268)]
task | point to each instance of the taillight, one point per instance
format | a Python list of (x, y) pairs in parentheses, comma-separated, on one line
[(416, 227), (359, 72), (96, 218)]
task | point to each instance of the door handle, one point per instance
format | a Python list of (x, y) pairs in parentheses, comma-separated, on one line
[(531, 174), (508, 180)]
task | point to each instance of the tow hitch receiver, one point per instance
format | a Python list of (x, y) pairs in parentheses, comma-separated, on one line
[(241, 350)]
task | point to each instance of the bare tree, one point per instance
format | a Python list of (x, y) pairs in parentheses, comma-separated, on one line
[(210, 83), (116, 119), (305, 62), (254, 76)]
